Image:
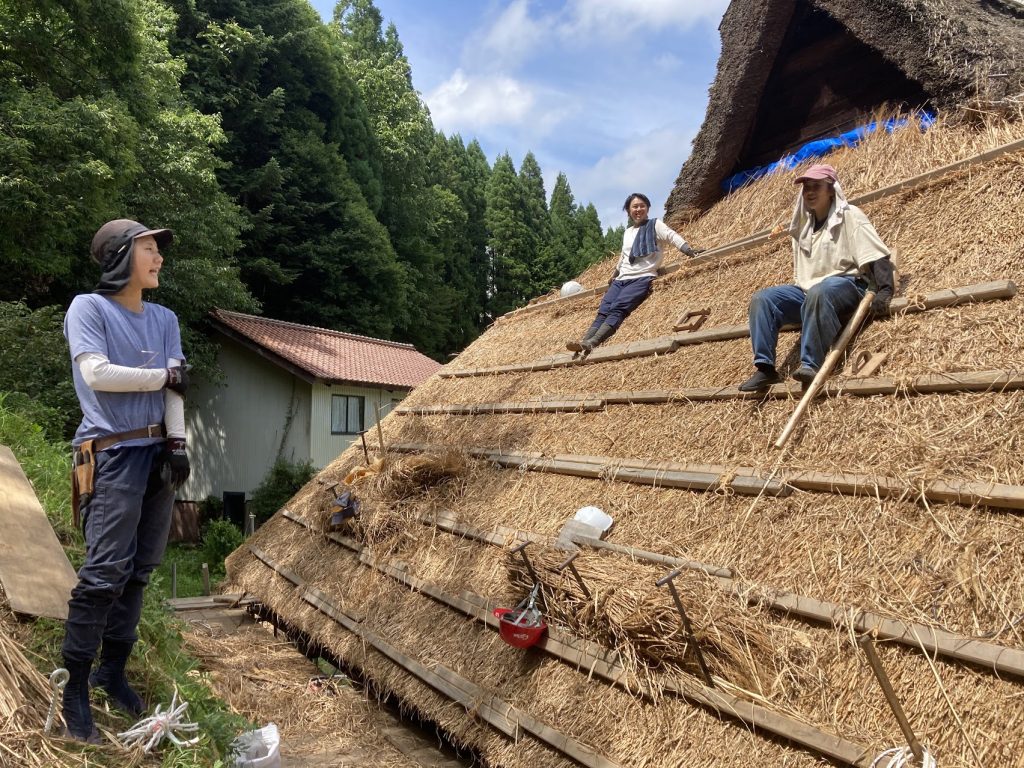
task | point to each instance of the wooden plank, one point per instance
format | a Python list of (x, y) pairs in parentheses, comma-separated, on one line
[(36, 574), (758, 717), (965, 381), (997, 658), (963, 492)]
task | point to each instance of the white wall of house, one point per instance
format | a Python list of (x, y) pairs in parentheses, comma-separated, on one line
[(237, 430), (333, 431)]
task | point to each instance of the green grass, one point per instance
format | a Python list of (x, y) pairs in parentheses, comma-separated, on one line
[(189, 559), (159, 663)]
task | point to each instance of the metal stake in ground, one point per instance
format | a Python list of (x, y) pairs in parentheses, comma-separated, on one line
[(667, 581), (572, 567), (838, 347), (890, 696), (521, 551)]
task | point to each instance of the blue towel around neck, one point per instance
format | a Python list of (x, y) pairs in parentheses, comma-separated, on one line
[(645, 242)]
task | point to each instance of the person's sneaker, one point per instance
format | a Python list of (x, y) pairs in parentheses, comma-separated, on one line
[(804, 374), (762, 379)]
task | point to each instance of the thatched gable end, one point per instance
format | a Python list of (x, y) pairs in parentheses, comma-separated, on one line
[(795, 70)]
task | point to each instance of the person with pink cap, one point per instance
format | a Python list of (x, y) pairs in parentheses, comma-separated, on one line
[(836, 255), (129, 459)]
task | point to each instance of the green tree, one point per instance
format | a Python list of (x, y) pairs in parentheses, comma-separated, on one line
[(509, 239), (560, 252), (406, 138), (34, 362), (543, 275), (301, 160), (93, 126), (593, 245)]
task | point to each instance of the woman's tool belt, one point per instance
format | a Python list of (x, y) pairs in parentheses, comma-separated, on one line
[(83, 469)]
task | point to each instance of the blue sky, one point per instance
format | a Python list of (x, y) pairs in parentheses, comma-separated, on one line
[(610, 92)]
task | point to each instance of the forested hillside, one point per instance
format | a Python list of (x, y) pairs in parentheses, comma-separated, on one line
[(293, 158)]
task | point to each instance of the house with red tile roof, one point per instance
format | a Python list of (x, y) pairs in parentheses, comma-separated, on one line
[(292, 391)]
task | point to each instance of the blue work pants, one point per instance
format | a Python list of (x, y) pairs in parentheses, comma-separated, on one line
[(126, 523), (821, 312), (621, 298)]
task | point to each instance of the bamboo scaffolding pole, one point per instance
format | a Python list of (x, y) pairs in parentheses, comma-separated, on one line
[(838, 348)]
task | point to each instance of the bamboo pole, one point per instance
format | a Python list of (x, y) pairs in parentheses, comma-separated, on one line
[(868, 646), (825, 371)]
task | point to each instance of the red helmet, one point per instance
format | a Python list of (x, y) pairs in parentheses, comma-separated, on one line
[(520, 628)]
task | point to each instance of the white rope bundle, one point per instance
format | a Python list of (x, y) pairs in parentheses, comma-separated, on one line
[(150, 731), (903, 757)]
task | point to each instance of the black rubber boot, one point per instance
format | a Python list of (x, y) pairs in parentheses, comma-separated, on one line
[(763, 377), (578, 346), (601, 335), (109, 676), (77, 716)]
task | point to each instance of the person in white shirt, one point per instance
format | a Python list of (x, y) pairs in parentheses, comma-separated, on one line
[(639, 260), (836, 251)]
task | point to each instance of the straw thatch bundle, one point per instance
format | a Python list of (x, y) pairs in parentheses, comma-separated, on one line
[(943, 565), (24, 703), (628, 613)]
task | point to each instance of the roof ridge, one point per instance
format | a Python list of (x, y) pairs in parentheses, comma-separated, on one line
[(342, 334)]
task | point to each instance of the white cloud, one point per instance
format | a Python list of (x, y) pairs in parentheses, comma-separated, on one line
[(648, 164), (511, 38), (613, 18), (466, 103)]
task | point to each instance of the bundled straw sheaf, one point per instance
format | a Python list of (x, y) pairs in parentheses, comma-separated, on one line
[(627, 613), (388, 489)]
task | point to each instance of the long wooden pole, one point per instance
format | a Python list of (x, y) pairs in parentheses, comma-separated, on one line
[(838, 347)]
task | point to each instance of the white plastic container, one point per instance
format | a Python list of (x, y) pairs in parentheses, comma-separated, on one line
[(258, 749)]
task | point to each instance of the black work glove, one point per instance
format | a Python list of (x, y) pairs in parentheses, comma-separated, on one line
[(176, 468), (686, 249), (882, 272), (177, 379)]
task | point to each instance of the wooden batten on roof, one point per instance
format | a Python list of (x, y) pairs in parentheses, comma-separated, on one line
[(795, 70), (332, 357)]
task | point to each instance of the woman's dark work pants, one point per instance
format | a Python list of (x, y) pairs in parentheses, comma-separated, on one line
[(126, 523), (821, 312), (621, 298)]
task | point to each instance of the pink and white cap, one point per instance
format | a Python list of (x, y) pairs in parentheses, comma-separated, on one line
[(818, 171)]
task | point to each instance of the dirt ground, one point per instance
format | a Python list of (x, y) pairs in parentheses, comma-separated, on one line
[(323, 721)]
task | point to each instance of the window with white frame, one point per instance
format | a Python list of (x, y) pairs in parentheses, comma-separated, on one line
[(347, 414)]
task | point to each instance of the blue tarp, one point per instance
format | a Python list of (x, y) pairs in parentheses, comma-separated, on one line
[(821, 147)]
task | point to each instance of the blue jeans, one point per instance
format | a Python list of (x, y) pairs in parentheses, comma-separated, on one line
[(126, 523), (621, 298), (821, 312)]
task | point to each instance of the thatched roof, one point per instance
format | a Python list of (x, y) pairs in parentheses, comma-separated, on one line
[(795, 70), (403, 594)]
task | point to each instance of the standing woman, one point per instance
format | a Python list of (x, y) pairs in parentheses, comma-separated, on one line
[(638, 266), (127, 367)]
